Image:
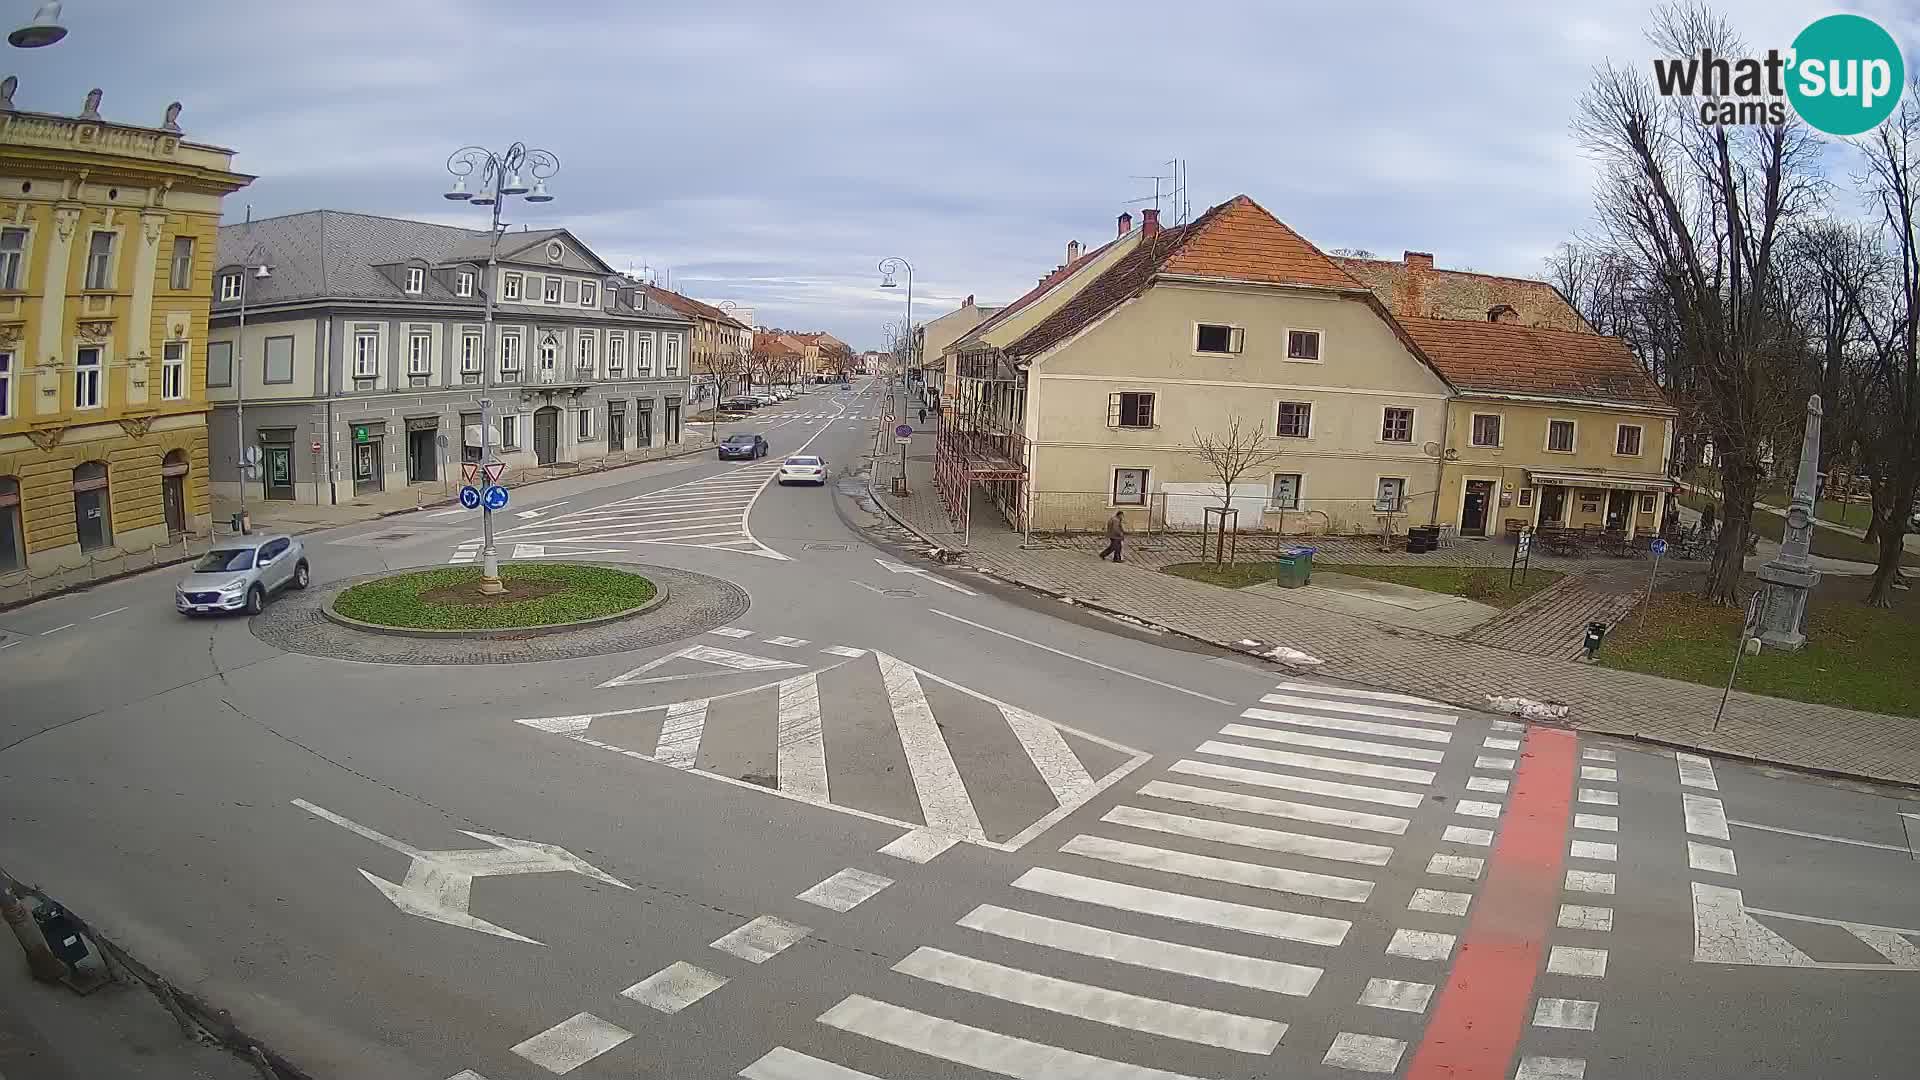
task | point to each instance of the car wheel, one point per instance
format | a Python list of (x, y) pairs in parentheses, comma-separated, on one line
[(256, 600), (300, 575)]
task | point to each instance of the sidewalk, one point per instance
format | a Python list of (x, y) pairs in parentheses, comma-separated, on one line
[(1465, 673), (119, 1031)]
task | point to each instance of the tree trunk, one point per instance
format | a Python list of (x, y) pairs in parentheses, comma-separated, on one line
[(1737, 487), (1893, 547)]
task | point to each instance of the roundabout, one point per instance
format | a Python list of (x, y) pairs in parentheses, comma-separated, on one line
[(540, 598)]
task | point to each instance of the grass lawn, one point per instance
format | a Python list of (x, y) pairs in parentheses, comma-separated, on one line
[(1856, 657), (1488, 586), (1833, 545), (449, 598)]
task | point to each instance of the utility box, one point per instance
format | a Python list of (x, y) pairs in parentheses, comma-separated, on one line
[(1294, 567)]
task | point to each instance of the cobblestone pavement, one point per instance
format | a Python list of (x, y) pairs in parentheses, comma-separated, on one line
[(1602, 700), (1553, 621)]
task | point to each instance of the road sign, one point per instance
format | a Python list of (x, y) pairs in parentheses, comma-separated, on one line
[(495, 498), (903, 442), (440, 440), (359, 433), (889, 418), (250, 455), (495, 470), (904, 431), (469, 471), (1659, 547), (316, 446), (470, 497)]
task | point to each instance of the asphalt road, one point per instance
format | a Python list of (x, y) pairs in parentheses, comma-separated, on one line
[(893, 820)]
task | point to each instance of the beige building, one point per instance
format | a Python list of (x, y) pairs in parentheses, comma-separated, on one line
[(934, 337)]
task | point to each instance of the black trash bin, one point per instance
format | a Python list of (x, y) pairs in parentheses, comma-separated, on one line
[(1596, 633), (1422, 539)]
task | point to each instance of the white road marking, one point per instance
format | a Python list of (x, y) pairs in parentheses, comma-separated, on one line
[(731, 631), (1494, 743), (762, 939), (1082, 659), (1209, 868), (944, 803), (57, 629), (572, 1043), (9, 645), (1058, 765), (845, 890), (1198, 910), (1901, 848), (844, 650), (1551, 1068), (893, 567), (1356, 709), (919, 846), (1594, 772), (1510, 726), (1583, 917), (1489, 785), (1363, 695), (781, 1063), (1358, 727), (529, 551), (1499, 764), (1476, 808), (1696, 772), (1329, 742), (104, 614), (1599, 797), (679, 744), (1460, 834), (1597, 755), (787, 642), (979, 1048), (1440, 902), (1258, 973), (1420, 945), (1566, 1013), (1710, 857), (1461, 866), (870, 588), (1585, 963), (1397, 995), (800, 744), (1254, 804), (1599, 822), (1316, 762), (1187, 1023), (1364, 1053), (674, 987), (1224, 832), (1305, 784), (1593, 849), (700, 654), (1590, 881)]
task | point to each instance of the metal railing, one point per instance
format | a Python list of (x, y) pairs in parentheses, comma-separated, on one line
[(29, 584)]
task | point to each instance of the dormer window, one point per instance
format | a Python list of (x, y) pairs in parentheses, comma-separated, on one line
[(463, 283), (416, 280), (229, 287), (589, 294)]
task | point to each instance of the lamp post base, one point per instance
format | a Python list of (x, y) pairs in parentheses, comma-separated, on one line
[(491, 586)]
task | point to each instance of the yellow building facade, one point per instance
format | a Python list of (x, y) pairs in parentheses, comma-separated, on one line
[(107, 250)]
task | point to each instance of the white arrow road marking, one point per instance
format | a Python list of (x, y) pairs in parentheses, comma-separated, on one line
[(439, 884), (892, 567), (529, 551), (541, 511)]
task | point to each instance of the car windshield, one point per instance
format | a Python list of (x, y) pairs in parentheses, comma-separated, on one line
[(739, 440), (803, 461), (220, 559)]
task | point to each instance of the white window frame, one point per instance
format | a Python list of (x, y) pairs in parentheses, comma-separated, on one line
[(463, 283), (173, 371), (1236, 339), (509, 351), (229, 288), (419, 353), (1320, 345), (670, 355), (6, 384), (366, 354), (1413, 420), (89, 380), (1116, 410), (643, 354), (1278, 434), (1146, 487), (472, 345), (589, 294), (1273, 499), (180, 271), (550, 350), (585, 424), (550, 290), (13, 261), (586, 351), (510, 287), (105, 280), (510, 431), (212, 345), (1573, 440), (416, 280), (1639, 440), (616, 354), (1499, 430), (1400, 499)]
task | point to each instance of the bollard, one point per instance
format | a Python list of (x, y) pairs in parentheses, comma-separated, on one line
[(1596, 633)]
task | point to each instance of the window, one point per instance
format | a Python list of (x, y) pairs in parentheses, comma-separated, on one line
[(550, 290), (670, 358), (589, 294), (1486, 429), (510, 287), (6, 385), (1286, 492), (1295, 420), (279, 367), (463, 283), (1213, 338), (1396, 425), (1626, 442), (643, 355), (1646, 504), (1303, 345), (173, 371), (586, 422), (617, 353), (587, 347), (1560, 436), (1130, 410), (180, 273), (419, 353), (13, 548), (510, 352), (416, 279), (1390, 495), (549, 352), (1129, 487), (86, 377), (366, 354), (220, 363), (229, 287), (1526, 496), (100, 261), (509, 432), (470, 354), (13, 254)]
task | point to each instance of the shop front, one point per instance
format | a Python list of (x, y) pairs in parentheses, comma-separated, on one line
[(1629, 504), (369, 469)]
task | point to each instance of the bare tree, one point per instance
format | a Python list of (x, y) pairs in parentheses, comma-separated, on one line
[(1231, 453)]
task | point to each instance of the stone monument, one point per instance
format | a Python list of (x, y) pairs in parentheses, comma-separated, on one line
[(1790, 575)]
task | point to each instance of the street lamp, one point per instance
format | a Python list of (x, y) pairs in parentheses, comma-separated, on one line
[(44, 30), (888, 267), (501, 176), (258, 272)]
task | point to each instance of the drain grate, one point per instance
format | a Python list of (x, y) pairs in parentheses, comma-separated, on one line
[(828, 547)]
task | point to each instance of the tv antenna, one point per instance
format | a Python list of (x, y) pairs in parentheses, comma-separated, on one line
[(1170, 186)]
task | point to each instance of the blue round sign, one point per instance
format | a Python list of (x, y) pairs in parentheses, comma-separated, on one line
[(1659, 547), (470, 497), (904, 431), (496, 498)]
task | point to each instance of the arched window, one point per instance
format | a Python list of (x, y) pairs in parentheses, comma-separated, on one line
[(92, 509), (13, 537)]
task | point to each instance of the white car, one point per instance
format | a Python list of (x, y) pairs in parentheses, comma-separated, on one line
[(768, 399), (783, 394), (803, 470)]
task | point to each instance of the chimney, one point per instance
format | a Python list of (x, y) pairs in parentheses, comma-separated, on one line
[(969, 302), (1414, 296), (1126, 223), (1149, 222), (1073, 252)]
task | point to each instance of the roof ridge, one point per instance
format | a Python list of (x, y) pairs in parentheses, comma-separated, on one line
[(323, 211)]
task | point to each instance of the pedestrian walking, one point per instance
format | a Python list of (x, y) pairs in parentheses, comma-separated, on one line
[(923, 418), (1706, 521), (1116, 535)]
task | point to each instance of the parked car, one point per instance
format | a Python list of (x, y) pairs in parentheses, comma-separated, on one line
[(784, 394), (803, 470), (240, 574), (743, 446), (769, 399), (743, 404)]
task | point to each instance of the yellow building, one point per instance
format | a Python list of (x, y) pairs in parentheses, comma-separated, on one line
[(107, 238)]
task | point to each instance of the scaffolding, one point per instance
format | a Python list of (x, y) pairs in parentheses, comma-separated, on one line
[(980, 440)]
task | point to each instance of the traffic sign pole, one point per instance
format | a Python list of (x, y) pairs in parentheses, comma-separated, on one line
[(489, 558), (1659, 549)]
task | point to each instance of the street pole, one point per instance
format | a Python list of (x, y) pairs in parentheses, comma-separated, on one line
[(1652, 579), (45, 966), (489, 557), (240, 402), (1747, 627)]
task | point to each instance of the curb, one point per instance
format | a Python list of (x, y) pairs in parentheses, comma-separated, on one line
[(508, 632)]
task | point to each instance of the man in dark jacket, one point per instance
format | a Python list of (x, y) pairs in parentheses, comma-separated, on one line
[(1116, 534)]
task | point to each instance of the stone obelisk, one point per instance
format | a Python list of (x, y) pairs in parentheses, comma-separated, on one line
[(1790, 575)]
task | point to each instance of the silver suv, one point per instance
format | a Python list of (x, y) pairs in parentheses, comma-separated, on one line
[(240, 573)]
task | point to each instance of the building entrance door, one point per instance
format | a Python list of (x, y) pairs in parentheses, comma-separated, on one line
[(1474, 513), (546, 435), (423, 456), (616, 431), (367, 472), (1553, 506), (280, 473)]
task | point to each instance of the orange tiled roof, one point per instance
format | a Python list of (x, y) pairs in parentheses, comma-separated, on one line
[(1507, 358), (1428, 292)]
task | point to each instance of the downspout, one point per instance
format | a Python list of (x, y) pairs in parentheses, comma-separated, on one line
[(1440, 470), (326, 368)]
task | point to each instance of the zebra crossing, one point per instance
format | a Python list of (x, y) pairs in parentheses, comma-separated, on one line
[(1184, 933), (707, 513)]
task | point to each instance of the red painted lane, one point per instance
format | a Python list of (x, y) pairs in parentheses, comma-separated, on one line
[(1476, 1027)]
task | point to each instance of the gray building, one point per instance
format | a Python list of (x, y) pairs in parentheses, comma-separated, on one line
[(364, 363)]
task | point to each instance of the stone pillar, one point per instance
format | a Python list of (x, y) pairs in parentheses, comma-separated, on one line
[(139, 332), (1790, 576), (48, 351)]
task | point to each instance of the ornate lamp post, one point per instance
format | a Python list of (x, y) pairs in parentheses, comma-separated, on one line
[(44, 30), (500, 177), (889, 267)]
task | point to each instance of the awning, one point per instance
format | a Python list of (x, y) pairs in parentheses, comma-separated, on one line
[(1615, 481)]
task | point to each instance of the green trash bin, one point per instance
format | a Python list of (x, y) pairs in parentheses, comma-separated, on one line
[(1295, 567)]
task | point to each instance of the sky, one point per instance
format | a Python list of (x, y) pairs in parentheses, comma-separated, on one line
[(772, 153)]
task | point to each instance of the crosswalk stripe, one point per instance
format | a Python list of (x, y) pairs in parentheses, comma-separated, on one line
[(989, 1051), (679, 744), (1363, 695), (572, 1043), (761, 939), (1304, 784), (1358, 727), (1254, 804), (1386, 712), (1066, 777), (845, 890), (1316, 762), (1329, 742), (801, 746), (781, 1063), (1209, 868), (1254, 972), (674, 987), (1115, 1008), (1223, 832), (944, 804), (1182, 907)]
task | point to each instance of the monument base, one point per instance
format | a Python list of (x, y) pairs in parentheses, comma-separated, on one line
[(1783, 612)]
